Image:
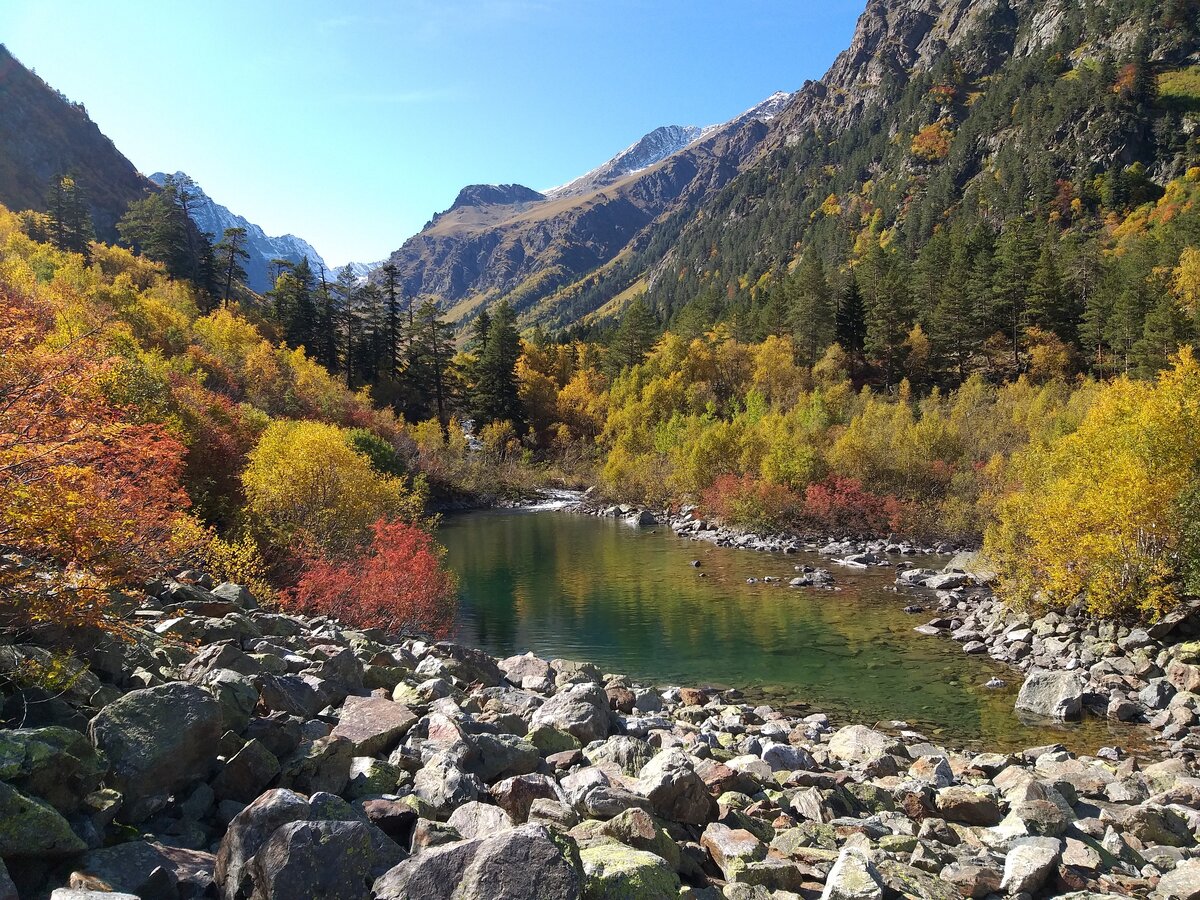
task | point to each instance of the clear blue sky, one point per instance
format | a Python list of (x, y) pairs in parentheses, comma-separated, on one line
[(350, 124)]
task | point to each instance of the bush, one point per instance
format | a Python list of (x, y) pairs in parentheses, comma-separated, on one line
[(841, 505), (747, 502), (398, 584)]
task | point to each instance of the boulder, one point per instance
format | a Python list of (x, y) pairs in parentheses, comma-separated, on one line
[(731, 848), (857, 743), (629, 753), (967, 806), (443, 784), (580, 710), (616, 872), (370, 777), (638, 829), (1056, 695), (58, 765), (470, 665), (853, 877), (1029, 863), (516, 795), (32, 827), (1181, 883), (237, 695), (247, 773), (248, 831), (476, 820), (590, 792), (674, 790), (334, 860), (322, 765), (529, 861), (157, 741), (503, 756), (373, 724)]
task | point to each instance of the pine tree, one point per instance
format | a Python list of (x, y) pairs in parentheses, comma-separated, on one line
[(393, 326), (885, 295), (427, 365), (812, 313), (495, 397), (850, 322), (229, 255), (70, 222), (1015, 259), (346, 319), (634, 336)]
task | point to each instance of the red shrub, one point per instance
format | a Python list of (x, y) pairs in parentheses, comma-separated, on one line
[(841, 504), (749, 503), (398, 584)]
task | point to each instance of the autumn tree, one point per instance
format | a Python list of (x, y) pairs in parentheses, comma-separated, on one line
[(230, 253)]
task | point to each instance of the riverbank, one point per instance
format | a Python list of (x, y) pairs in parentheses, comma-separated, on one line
[(240, 752)]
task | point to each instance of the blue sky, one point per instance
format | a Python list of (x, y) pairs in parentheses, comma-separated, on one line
[(350, 124)]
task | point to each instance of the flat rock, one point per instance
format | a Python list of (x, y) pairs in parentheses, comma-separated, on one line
[(372, 724)]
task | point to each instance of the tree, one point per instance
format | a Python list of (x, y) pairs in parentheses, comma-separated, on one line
[(427, 363), (394, 328), (397, 583), (345, 318), (850, 325), (812, 313), (229, 255), (634, 335), (496, 396), (308, 490), (69, 220)]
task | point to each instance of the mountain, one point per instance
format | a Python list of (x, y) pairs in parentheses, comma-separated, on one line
[(513, 242), (43, 135), (214, 218), (361, 271)]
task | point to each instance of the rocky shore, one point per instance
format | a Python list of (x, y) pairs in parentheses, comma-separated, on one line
[(234, 752)]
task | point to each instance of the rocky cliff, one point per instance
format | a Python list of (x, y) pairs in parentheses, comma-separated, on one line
[(43, 135)]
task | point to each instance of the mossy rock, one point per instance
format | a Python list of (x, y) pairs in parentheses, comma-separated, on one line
[(617, 872), (549, 739), (32, 827), (898, 843), (371, 777), (57, 764)]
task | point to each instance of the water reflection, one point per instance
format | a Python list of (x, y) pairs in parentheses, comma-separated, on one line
[(563, 584)]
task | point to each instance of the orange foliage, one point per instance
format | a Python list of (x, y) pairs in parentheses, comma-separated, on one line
[(398, 584)]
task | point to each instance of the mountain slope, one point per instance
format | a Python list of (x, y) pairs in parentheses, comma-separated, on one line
[(43, 135), (512, 242), (214, 218)]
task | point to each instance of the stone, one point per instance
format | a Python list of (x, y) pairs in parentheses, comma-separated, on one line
[(32, 827), (967, 806), (371, 777), (1181, 883), (469, 664), (972, 880), (1028, 864), (317, 859), (638, 829), (1183, 676), (373, 724), (857, 743), (617, 872), (786, 758), (1057, 695), (629, 753), (475, 820), (443, 784), (580, 710), (55, 764), (322, 765), (731, 848), (503, 756), (147, 869), (529, 861), (853, 877), (516, 795), (674, 790), (73, 894), (590, 792), (247, 773), (303, 696), (157, 741), (1153, 824), (248, 831)]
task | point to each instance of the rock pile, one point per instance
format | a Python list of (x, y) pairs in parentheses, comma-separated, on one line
[(234, 752)]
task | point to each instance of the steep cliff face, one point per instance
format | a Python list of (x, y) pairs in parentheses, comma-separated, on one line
[(43, 135)]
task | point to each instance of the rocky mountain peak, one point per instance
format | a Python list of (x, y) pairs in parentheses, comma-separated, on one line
[(495, 195)]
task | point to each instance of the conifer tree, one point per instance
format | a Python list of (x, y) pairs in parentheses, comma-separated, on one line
[(69, 221), (230, 253), (634, 336), (812, 311), (495, 397)]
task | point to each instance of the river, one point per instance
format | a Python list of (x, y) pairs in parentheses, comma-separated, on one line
[(568, 585)]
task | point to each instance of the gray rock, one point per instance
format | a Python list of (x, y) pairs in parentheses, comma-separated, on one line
[(248, 831), (857, 743), (333, 860), (247, 773), (56, 764), (580, 710), (853, 877), (674, 789), (148, 869), (477, 820), (1057, 695), (322, 765), (157, 740), (1181, 883), (32, 827), (443, 784), (373, 724), (516, 795), (1029, 863), (526, 862)]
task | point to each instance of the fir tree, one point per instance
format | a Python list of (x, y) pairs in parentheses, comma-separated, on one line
[(495, 397)]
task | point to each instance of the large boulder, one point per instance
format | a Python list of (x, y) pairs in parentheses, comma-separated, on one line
[(675, 791), (373, 724), (853, 877), (475, 820), (323, 765), (580, 710), (1029, 863), (616, 872), (470, 665), (443, 784), (516, 795), (247, 773), (57, 764), (32, 827), (333, 860), (157, 740), (530, 861), (1054, 695), (860, 744), (248, 831), (1181, 883)]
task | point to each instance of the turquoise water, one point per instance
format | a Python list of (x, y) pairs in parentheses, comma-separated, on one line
[(567, 585)]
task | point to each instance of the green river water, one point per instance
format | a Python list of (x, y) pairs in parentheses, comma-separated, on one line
[(568, 585)]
